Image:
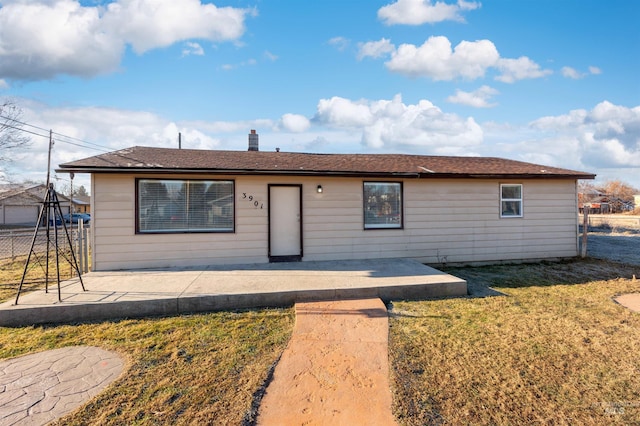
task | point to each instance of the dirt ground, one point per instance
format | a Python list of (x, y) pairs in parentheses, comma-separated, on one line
[(619, 247)]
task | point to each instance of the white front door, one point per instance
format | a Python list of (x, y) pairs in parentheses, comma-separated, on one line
[(285, 222)]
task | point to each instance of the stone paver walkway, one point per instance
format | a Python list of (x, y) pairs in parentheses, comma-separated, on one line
[(335, 369), (38, 388), (630, 301)]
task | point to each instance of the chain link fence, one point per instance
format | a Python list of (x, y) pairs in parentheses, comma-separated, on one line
[(17, 243), (613, 221)]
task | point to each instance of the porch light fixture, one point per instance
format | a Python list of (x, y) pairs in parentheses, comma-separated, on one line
[(319, 189)]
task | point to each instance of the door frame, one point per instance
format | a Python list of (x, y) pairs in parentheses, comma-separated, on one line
[(290, 258)]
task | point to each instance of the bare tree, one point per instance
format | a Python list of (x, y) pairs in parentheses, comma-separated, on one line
[(65, 189), (11, 134), (620, 194), (81, 191)]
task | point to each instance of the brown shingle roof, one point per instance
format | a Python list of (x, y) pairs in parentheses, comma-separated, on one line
[(146, 159)]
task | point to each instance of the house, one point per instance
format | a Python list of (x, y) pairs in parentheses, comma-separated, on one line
[(596, 204), (159, 207), (81, 204), (604, 204), (21, 204)]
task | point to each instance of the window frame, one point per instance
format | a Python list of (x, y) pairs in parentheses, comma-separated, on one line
[(373, 227), (512, 200), (184, 231)]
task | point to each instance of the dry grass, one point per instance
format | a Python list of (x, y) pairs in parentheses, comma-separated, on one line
[(11, 271), (554, 349), (199, 369)]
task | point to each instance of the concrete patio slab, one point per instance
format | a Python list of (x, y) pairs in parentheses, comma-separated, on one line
[(140, 293)]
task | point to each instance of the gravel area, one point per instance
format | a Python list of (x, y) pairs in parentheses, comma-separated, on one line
[(619, 247)]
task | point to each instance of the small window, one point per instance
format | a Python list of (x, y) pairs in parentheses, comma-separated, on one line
[(510, 200), (382, 205), (185, 205)]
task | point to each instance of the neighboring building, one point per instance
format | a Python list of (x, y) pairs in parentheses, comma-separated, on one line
[(81, 204), (21, 204), (603, 204), (158, 207), (596, 204)]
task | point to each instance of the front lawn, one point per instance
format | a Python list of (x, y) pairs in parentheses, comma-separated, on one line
[(554, 349), (198, 369)]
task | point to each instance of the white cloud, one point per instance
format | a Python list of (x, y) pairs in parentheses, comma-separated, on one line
[(270, 56), (570, 72), (391, 124), (520, 144), (435, 59), (229, 127), (3, 84), (42, 39), (375, 49), (149, 24), (190, 138), (339, 43), (191, 48), (341, 112), (478, 98), (248, 62), (108, 128), (602, 140), (519, 69), (418, 12), (608, 135), (295, 123), (595, 70)]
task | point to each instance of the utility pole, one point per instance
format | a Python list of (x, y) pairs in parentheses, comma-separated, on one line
[(71, 207), (49, 157)]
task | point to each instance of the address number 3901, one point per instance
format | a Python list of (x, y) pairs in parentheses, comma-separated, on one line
[(250, 198)]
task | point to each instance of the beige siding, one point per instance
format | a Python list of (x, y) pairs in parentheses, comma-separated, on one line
[(117, 246), (444, 221)]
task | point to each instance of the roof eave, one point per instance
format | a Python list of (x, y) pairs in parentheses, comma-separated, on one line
[(146, 170), (518, 176), (160, 170)]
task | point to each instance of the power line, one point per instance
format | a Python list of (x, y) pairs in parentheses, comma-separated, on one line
[(97, 146), (24, 130), (22, 123), (88, 145)]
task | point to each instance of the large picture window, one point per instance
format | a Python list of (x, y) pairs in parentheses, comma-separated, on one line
[(185, 205), (382, 205), (510, 200)]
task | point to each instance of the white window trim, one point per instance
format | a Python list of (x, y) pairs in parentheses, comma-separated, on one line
[(520, 200)]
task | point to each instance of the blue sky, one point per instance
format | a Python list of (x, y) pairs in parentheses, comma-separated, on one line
[(554, 82)]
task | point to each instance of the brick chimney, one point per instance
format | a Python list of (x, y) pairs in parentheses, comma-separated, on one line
[(253, 141)]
